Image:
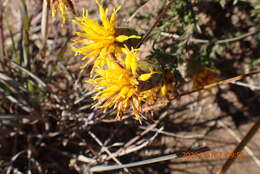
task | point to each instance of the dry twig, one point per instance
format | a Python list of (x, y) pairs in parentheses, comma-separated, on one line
[(240, 147), (249, 151), (222, 82), (144, 162), (161, 15)]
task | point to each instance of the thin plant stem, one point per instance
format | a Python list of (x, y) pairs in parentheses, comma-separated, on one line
[(44, 23), (162, 14), (2, 49), (243, 36), (25, 36), (240, 147)]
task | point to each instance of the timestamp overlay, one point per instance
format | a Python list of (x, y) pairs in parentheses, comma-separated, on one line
[(213, 155)]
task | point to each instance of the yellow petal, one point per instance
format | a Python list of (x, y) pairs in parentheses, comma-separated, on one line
[(146, 76), (122, 38), (131, 62), (163, 90)]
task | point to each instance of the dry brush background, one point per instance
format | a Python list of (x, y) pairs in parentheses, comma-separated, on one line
[(47, 124)]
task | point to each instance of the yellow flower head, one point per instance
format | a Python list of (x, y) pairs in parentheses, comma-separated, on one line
[(117, 84), (204, 77), (99, 39), (61, 5), (160, 90)]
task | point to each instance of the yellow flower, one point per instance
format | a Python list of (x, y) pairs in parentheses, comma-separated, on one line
[(160, 90), (204, 77), (117, 84), (99, 39), (61, 5)]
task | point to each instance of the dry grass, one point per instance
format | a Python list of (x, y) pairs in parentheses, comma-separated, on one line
[(48, 125)]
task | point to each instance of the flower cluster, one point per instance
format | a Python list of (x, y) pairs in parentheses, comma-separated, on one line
[(121, 79), (116, 75)]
